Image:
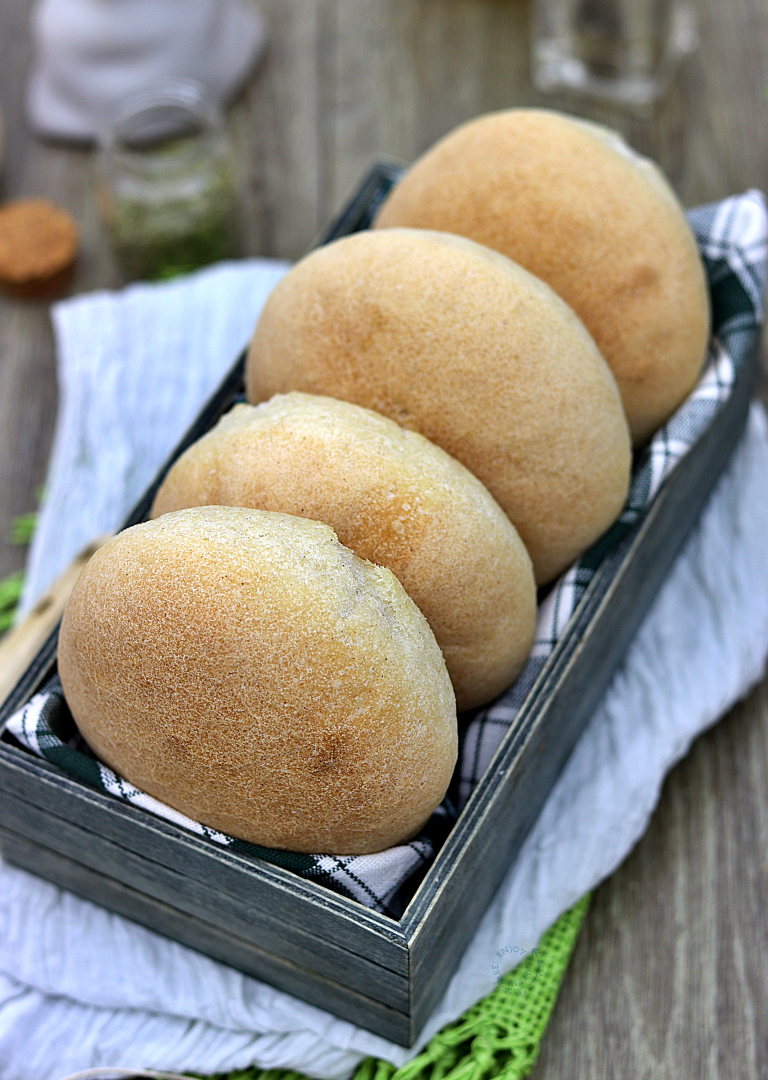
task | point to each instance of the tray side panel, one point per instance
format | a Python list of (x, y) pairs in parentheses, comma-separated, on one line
[(203, 898), (255, 890), (202, 936)]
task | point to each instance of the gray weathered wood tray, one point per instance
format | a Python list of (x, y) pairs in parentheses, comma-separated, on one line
[(383, 974)]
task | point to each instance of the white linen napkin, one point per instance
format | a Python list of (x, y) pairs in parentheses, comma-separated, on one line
[(80, 987)]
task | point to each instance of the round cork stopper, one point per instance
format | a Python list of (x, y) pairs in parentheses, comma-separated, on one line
[(38, 246), (247, 669)]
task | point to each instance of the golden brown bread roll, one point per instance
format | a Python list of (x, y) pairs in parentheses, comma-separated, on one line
[(459, 343), (392, 497), (250, 671), (570, 202)]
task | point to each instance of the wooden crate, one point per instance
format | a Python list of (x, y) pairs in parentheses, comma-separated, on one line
[(383, 974)]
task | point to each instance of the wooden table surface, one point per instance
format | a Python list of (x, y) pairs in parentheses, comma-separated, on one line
[(669, 976)]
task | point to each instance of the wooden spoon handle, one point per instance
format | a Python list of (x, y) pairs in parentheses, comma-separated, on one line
[(19, 646)]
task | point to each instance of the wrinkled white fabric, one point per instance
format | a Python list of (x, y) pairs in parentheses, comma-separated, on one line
[(89, 54), (134, 368), (80, 987)]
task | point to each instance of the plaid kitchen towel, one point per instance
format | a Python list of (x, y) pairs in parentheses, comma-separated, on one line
[(732, 239)]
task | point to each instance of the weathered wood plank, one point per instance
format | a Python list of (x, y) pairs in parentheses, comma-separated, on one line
[(668, 976)]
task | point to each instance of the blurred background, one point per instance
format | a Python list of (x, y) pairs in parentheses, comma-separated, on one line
[(320, 90)]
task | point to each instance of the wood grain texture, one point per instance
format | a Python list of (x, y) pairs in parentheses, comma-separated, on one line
[(276, 939), (668, 979)]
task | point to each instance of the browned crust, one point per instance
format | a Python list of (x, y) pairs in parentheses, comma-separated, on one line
[(392, 497), (598, 223), (460, 344), (250, 671)]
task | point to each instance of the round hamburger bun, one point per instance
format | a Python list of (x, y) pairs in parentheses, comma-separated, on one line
[(570, 202), (460, 344), (38, 248), (247, 669), (392, 497)]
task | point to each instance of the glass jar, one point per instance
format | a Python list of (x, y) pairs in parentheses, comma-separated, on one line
[(625, 51), (167, 189)]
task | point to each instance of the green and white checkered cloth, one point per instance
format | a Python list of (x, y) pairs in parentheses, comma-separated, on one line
[(732, 238)]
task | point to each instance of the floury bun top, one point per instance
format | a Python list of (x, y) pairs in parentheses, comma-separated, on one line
[(574, 205), (459, 343)]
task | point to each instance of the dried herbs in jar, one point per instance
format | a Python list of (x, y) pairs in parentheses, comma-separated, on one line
[(167, 188)]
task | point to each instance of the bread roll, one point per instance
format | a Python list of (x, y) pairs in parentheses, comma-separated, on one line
[(455, 341), (570, 202), (38, 248), (250, 671), (392, 497)]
